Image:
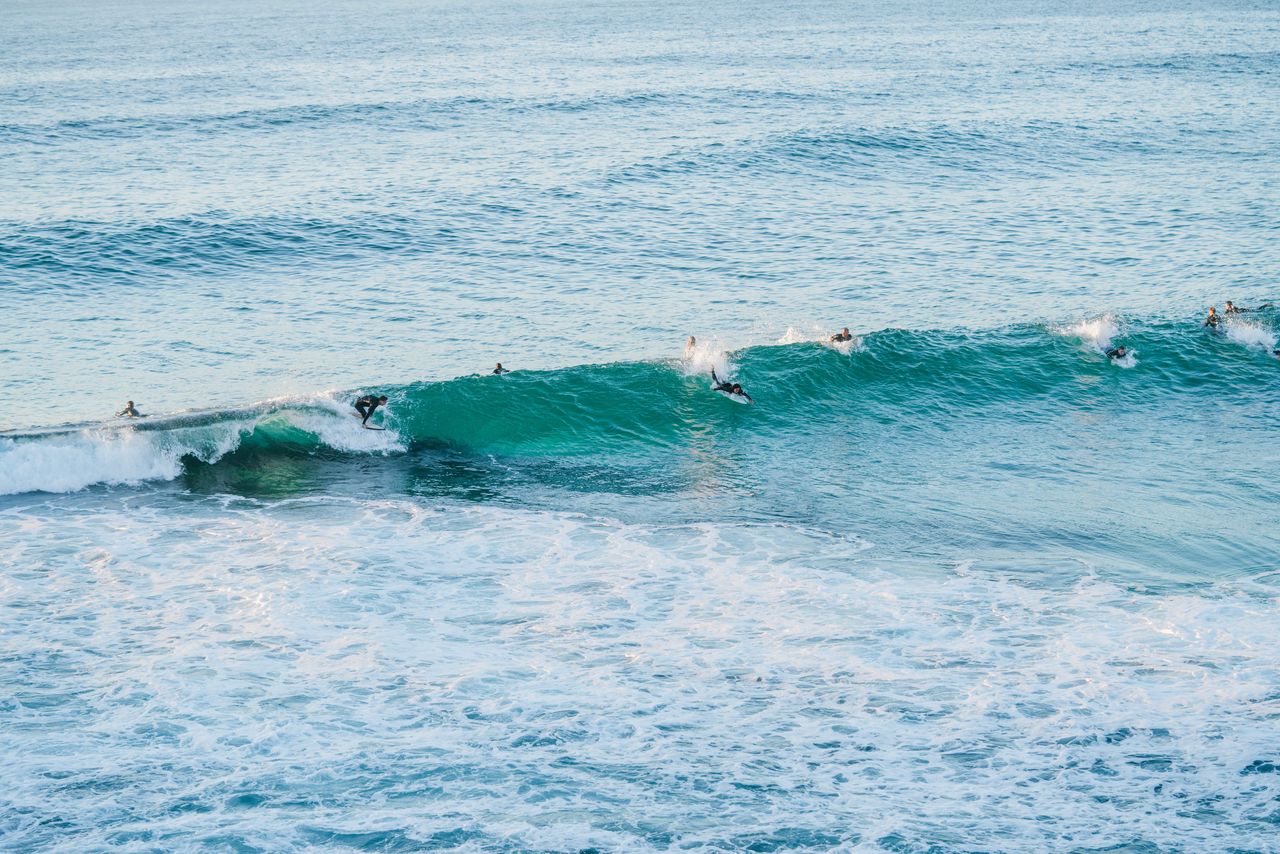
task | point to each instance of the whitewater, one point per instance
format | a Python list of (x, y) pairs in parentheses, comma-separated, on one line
[(961, 583)]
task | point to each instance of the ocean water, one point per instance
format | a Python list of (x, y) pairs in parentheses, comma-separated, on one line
[(961, 584)]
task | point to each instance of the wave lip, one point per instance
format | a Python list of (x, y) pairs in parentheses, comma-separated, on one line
[(71, 459)]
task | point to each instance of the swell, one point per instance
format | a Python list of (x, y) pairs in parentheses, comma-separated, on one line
[(200, 243), (916, 381), (939, 152), (414, 114)]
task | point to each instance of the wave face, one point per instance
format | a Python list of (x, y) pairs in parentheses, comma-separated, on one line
[(930, 424)]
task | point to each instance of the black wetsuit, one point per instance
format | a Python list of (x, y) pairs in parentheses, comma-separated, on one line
[(366, 405), (1212, 321), (1116, 354), (501, 371), (727, 388), (1235, 309), (840, 337)]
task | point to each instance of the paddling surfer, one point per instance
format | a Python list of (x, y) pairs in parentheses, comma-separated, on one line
[(728, 388)]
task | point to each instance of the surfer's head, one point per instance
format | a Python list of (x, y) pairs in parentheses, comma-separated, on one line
[(1120, 351), (382, 399), (737, 388), (1230, 306), (844, 331), (1213, 309), (128, 404)]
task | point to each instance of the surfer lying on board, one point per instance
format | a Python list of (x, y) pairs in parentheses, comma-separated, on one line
[(129, 411), (1235, 309), (498, 369), (841, 336), (367, 404), (1117, 352), (728, 388)]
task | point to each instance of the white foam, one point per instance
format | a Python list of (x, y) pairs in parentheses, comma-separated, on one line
[(703, 356), (1251, 334), (127, 454), (1097, 331), (818, 335), (532, 676), (66, 463)]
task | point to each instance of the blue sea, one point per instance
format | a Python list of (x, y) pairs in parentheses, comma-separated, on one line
[(963, 583)]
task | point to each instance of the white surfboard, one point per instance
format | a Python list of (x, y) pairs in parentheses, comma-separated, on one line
[(736, 398)]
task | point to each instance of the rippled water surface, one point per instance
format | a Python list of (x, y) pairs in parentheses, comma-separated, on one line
[(963, 583)]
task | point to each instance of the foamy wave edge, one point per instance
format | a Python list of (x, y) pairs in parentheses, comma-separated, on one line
[(134, 452)]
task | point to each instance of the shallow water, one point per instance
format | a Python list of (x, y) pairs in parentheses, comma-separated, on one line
[(963, 583)]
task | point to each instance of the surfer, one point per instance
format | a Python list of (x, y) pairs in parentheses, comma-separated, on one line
[(367, 404), (1117, 352), (1235, 309), (129, 411), (498, 369), (1212, 320), (841, 336), (728, 388)]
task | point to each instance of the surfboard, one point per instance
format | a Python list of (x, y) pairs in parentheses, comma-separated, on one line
[(367, 427), (736, 398)]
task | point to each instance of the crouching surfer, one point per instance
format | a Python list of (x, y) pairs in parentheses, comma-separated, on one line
[(367, 404), (728, 388)]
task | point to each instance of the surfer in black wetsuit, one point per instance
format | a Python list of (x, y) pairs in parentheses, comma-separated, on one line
[(1117, 352), (367, 404), (728, 388), (128, 411), (1211, 322), (1235, 309), (498, 369), (841, 336)]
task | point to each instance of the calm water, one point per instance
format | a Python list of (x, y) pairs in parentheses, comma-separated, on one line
[(961, 584)]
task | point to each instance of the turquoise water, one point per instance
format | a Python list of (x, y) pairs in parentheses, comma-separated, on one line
[(961, 584)]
